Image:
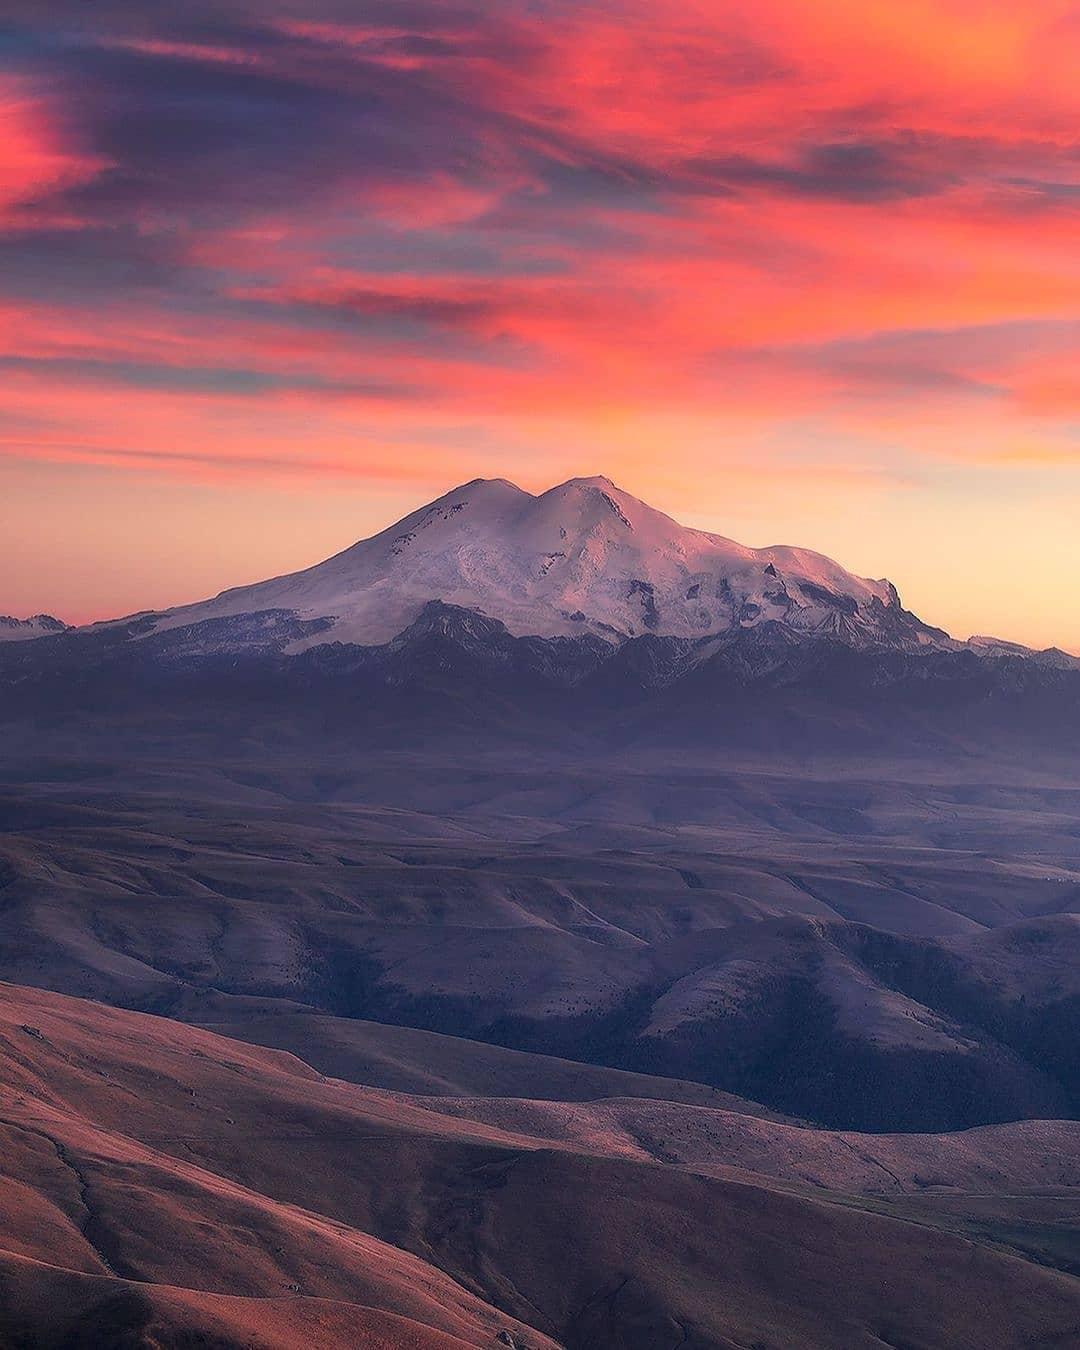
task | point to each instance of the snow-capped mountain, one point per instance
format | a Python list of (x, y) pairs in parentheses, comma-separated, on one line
[(1051, 657), (38, 625), (578, 612), (583, 557)]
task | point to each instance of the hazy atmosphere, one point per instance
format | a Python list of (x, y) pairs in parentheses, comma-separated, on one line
[(539, 675)]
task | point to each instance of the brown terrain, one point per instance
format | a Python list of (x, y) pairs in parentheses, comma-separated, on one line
[(793, 1066), (158, 1176)]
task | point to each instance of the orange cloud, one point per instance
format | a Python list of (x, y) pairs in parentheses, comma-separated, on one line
[(819, 258)]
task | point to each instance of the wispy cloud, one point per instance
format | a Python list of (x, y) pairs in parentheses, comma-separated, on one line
[(278, 232)]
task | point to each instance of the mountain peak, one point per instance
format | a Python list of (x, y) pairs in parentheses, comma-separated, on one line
[(595, 485), (37, 625), (480, 489), (596, 480), (583, 557), (485, 485)]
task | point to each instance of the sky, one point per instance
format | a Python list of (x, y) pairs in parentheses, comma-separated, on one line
[(274, 273)]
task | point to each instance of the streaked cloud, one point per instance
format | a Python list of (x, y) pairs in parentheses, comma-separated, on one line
[(310, 234)]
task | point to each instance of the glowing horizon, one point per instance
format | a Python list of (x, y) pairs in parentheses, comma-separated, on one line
[(272, 275)]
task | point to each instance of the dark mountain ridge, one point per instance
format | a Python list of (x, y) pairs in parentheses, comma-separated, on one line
[(453, 668)]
